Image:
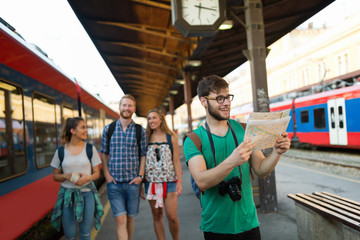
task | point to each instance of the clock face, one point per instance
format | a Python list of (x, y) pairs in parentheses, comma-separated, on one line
[(200, 12)]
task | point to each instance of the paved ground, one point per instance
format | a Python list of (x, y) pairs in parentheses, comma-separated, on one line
[(274, 226), (292, 176)]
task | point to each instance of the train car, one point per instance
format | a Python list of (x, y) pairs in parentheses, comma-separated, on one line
[(327, 119), (35, 99)]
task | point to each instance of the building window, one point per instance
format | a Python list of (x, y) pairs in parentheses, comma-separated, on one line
[(343, 64), (321, 71), (305, 77), (12, 132), (45, 131), (319, 118)]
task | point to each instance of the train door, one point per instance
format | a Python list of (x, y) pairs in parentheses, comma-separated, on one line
[(337, 121)]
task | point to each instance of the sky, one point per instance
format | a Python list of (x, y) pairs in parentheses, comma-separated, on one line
[(53, 26)]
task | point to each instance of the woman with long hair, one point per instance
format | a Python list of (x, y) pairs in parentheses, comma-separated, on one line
[(76, 166), (162, 174)]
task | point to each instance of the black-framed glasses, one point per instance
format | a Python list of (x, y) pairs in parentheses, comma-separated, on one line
[(221, 99), (157, 153)]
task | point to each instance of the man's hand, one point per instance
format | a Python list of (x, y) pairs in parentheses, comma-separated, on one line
[(137, 180), (242, 153), (283, 143), (109, 178)]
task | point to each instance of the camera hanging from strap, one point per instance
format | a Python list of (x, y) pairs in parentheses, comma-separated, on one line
[(212, 142)]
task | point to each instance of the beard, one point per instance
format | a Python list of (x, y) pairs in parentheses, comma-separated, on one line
[(216, 114), (125, 114)]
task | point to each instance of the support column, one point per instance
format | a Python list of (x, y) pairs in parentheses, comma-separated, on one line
[(171, 110), (188, 98), (256, 54)]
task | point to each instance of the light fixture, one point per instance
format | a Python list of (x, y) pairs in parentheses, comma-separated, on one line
[(180, 81), (193, 63), (165, 104), (226, 25), (173, 92)]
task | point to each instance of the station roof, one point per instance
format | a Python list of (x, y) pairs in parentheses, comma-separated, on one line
[(146, 54)]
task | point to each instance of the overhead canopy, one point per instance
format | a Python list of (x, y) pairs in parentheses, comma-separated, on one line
[(146, 54)]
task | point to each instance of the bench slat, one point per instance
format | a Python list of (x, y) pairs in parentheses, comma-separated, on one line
[(336, 204), (336, 199), (342, 198), (330, 207), (326, 212)]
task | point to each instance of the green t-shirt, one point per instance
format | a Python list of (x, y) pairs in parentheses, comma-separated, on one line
[(219, 213)]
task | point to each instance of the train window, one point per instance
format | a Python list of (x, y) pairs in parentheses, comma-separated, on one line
[(319, 118), (12, 132), (341, 117), (90, 122), (304, 116), (67, 112), (45, 135)]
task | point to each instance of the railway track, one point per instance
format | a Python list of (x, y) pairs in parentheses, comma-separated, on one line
[(341, 158)]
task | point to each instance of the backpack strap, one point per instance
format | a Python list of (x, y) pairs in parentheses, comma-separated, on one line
[(168, 138), (61, 154), (89, 151), (196, 140), (110, 133), (138, 138)]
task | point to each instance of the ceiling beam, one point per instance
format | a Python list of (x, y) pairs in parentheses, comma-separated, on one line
[(289, 17), (142, 70), (141, 78), (146, 86), (147, 48), (153, 4), (144, 91), (147, 61), (156, 31)]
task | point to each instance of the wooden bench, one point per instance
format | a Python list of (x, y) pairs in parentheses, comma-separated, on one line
[(326, 216)]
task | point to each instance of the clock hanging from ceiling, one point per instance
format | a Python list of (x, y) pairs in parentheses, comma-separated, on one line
[(198, 18)]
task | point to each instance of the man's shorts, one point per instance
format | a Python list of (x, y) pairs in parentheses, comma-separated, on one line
[(170, 187), (124, 198)]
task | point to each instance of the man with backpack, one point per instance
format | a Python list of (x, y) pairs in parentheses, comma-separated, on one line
[(221, 167), (123, 148)]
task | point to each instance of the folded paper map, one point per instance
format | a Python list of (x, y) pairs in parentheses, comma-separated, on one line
[(264, 128)]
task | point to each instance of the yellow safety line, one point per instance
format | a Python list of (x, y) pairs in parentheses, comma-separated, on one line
[(94, 232), (323, 173)]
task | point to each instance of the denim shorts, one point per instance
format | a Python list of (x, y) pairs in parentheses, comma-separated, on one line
[(124, 198), (170, 187)]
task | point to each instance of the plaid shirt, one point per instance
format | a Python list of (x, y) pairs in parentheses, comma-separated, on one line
[(124, 161), (73, 197)]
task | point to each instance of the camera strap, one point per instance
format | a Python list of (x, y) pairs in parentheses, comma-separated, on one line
[(212, 142)]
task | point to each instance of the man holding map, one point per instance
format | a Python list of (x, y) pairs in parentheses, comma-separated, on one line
[(221, 166)]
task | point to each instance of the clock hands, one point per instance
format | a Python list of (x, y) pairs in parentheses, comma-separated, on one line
[(200, 7), (199, 11)]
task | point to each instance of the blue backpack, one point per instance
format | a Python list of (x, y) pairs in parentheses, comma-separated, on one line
[(61, 153)]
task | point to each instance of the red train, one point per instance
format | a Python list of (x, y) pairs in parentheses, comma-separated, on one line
[(35, 98), (327, 119)]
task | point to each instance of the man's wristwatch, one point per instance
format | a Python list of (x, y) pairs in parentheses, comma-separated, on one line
[(141, 176)]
